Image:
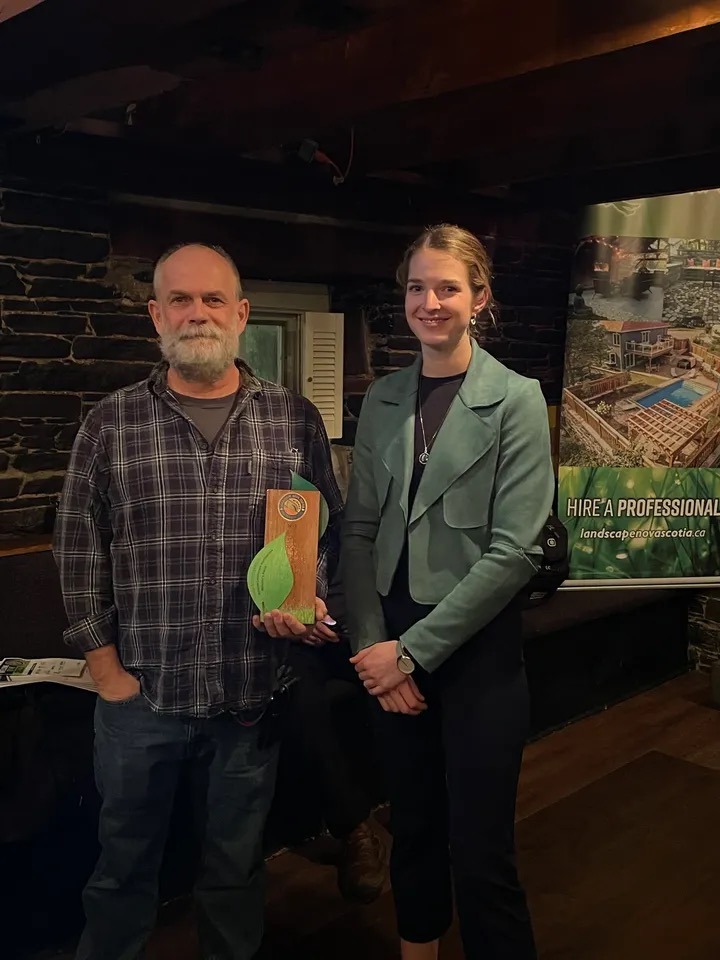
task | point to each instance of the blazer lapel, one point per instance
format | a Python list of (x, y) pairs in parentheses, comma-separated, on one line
[(465, 436), (397, 413), (398, 455), (463, 439)]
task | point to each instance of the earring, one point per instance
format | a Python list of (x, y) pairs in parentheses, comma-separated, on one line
[(473, 320)]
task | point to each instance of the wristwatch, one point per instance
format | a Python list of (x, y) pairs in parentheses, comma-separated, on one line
[(405, 662)]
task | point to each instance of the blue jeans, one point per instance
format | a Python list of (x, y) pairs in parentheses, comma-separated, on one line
[(138, 759)]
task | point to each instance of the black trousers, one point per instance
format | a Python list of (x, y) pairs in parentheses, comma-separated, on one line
[(331, 723), (452, 777)]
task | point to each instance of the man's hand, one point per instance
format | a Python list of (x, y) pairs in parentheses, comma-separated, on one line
[(322, 633), (121, 686), (377, 668), (112, 680), (283, 625), (405, 699)]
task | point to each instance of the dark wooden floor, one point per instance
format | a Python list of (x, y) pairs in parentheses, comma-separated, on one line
[(619, 847)]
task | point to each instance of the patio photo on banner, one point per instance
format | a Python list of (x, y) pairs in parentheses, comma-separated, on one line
[(639, 484)]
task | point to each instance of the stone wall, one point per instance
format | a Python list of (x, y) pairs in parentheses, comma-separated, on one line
[(704, 630), (74, 326), (70, 332)]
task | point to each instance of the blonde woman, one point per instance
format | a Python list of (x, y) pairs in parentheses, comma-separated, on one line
[(452, 481)]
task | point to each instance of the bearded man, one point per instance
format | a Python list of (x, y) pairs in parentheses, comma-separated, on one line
[(161, 513)]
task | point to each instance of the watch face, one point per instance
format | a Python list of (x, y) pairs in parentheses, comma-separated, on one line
[(405, 665)]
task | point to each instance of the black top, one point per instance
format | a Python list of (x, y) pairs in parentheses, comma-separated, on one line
[(435, 395)]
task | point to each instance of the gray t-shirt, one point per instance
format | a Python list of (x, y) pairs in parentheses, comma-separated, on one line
[(208, 414)]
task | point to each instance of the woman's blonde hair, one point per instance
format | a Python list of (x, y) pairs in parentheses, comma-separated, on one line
[(458, 243)]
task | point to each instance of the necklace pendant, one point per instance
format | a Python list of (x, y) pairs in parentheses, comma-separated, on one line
[(424, 457)]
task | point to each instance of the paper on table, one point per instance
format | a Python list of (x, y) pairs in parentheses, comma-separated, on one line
[(16, 671)]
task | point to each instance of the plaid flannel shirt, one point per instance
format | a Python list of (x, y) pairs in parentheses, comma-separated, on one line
[(156, 529)]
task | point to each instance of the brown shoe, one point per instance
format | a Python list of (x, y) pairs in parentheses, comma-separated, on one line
[(362, 869)]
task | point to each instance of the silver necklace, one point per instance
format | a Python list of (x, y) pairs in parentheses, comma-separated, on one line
[(425, 455)]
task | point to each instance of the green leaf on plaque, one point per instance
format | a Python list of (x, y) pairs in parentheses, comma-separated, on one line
[(300, 483), (305, 615), (270, 577)]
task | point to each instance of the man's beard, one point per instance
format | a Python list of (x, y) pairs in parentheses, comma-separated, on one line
[(201, 355)]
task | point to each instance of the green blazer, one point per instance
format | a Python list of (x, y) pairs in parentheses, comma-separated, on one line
[(478, 512)]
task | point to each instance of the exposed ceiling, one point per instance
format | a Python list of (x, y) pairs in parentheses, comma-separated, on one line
[(11, 8), (487, 98)]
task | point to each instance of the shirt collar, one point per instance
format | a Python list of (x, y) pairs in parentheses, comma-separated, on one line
[(157, 381)]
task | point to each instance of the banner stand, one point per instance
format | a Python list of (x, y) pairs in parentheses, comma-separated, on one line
[(638, 477)]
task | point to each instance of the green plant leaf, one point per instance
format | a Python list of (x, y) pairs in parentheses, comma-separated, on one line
[(300, 483), (270, 578)]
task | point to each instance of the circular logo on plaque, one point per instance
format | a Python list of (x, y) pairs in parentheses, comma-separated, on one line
[(292, 506)]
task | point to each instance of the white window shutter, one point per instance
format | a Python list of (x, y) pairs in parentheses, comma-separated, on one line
[(322, 367)]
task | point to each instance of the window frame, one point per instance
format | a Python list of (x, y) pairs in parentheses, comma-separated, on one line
[(273, 301)]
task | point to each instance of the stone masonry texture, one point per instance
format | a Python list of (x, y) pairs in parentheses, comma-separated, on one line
[(74, 326), (704, 630)]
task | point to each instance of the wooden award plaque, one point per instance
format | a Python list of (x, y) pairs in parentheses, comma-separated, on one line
[(292, 520)]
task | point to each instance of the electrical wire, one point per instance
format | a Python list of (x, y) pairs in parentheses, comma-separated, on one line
[(324, 158)]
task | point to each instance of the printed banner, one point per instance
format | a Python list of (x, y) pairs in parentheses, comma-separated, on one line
[(638, 478)]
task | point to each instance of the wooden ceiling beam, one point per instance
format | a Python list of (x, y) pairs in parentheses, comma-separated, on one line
[(54, 42), (628, 182), (11, 8), (622, 109), (306, 252), (441, 48), (590, 112), (191, 39), (586, 159), (110, 166)]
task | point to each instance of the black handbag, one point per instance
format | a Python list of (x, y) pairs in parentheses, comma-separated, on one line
[(554, 564)]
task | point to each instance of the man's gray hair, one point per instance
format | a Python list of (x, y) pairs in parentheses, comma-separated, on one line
[(195, 243)]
